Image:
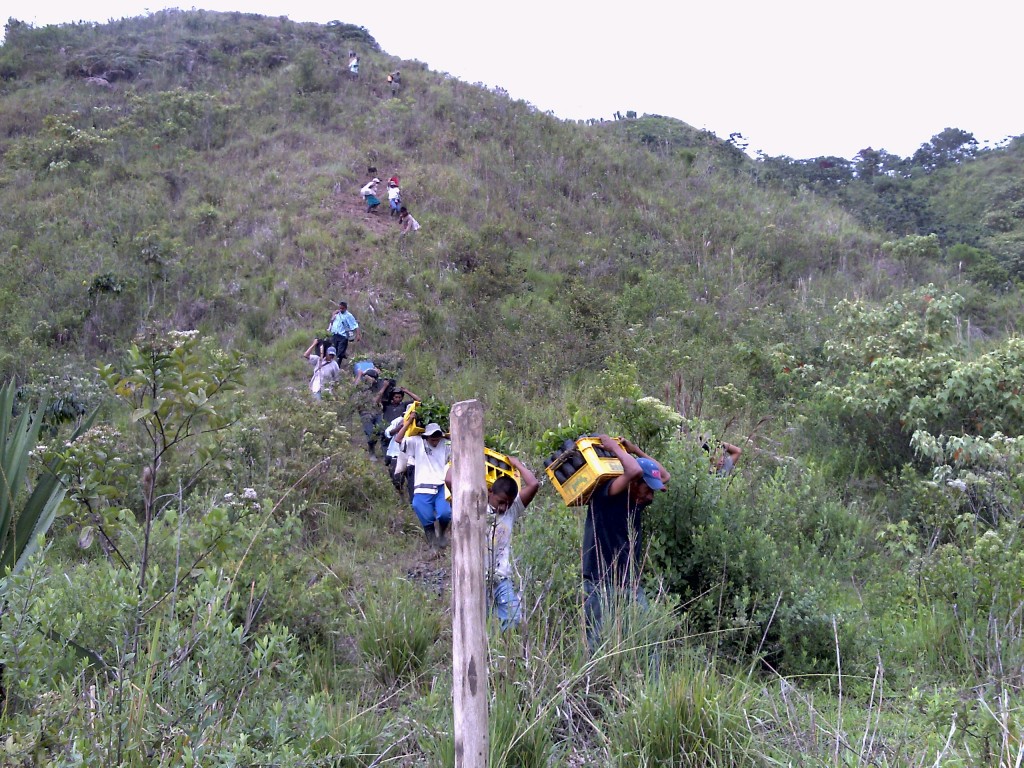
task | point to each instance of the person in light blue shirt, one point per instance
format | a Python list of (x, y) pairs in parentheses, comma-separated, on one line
[(343, 328)]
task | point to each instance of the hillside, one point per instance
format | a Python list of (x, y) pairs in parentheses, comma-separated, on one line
[(231, 579), (969, 197)]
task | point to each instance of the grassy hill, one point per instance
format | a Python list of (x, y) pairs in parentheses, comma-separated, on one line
[(967, 196), (232, 579)]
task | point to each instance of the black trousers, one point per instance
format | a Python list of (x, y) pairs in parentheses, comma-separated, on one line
[(340, 343)]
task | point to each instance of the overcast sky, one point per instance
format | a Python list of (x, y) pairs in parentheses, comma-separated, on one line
[(796, 77)]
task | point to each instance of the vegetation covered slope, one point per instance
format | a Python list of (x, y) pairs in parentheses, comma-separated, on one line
[(231, 578), (969, 197)]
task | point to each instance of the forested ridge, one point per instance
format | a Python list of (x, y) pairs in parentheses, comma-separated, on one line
[(228, 578)]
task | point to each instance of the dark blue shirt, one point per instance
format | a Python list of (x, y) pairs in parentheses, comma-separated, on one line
[(613, 537)]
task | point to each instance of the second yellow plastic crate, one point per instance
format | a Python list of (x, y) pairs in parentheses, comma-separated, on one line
[(578, 487), (495, 465)]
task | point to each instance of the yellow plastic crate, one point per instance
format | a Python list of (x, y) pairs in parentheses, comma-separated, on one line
[(578, 487), (497, 464), (493, 469), (414, 428)]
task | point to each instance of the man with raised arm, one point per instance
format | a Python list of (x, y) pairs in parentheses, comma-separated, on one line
[(613, 542)]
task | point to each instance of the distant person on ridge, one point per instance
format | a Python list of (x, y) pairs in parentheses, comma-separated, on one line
[(369, 193), (353, 65), (325, 369), (343, 328), (406, 221), (395, 82)]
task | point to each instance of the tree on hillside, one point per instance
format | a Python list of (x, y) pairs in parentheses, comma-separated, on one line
[(869, 163), (949, 147)]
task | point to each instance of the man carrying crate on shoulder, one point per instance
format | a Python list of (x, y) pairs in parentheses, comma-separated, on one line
[(432, 452), (613, 534), (506, 500)]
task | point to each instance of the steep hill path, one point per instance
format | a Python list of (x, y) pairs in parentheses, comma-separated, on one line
[(352, 206), (353, 276), (385, 328)]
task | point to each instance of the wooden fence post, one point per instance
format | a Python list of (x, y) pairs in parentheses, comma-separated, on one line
[(469, 630)]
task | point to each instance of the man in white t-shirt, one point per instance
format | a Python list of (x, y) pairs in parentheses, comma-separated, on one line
[(505, 502), (431, 453), (325, 370)]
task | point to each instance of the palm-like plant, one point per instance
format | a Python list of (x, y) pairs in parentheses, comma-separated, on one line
[(24, 517)]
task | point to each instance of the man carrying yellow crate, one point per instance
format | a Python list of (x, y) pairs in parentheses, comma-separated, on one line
[(431, 451), (613, 534), (506, 500)]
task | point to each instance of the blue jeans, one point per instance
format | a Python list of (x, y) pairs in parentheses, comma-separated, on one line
[(431, 507), (505, 604)]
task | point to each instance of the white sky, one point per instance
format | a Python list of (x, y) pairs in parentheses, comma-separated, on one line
[(796, 77)]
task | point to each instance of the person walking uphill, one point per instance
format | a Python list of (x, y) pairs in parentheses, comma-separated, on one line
[(325, 369), (343, 328), (431, 452), (394, 198), (505, 502), (613, 534)]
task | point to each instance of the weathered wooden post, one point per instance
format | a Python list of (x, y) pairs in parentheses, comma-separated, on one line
[(469, 631)]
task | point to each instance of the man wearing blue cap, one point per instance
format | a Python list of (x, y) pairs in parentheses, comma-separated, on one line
[(613, 542)]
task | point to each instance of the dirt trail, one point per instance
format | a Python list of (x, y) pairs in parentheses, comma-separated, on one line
[(355, 279), (352, 207), (384, 328)]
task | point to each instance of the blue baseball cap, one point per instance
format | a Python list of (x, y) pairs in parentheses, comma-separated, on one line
[(652, 474)]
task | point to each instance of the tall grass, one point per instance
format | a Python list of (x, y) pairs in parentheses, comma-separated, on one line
[(397, 635)]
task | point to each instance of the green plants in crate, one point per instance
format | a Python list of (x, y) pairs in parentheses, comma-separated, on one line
[(554, 439), (502, 442), (432, 411)]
